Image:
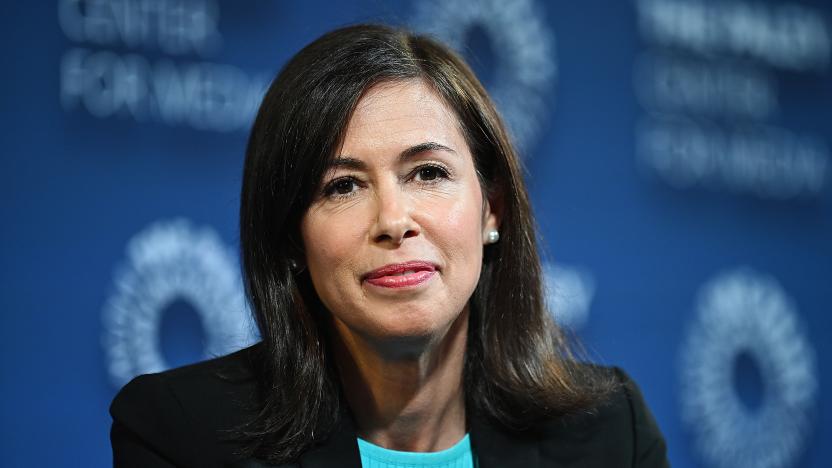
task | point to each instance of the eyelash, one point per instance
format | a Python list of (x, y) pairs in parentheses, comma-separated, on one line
[(329, 190)]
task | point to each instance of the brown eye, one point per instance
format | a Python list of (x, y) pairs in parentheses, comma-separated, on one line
[(343, 187), (431, 173), (340, 188), (428, 173)]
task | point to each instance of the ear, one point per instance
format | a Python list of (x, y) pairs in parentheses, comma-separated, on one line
[(492, 213)]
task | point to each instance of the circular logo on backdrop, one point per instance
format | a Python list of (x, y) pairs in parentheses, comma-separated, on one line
[(166, 262), (745, 316), (524, 49)]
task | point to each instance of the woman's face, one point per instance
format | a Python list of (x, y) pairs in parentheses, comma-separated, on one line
[(394, 240)]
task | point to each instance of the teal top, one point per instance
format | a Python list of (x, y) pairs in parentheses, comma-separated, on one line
[(458, 456)]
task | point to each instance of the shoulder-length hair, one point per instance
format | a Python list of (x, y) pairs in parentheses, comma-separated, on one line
[(518, 367)]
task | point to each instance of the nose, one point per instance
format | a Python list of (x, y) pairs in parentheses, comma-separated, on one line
[(394, 222)]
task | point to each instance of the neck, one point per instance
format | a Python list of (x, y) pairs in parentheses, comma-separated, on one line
[(409, 401)]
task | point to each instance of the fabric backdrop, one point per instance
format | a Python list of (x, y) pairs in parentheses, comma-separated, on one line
[(677, 154)]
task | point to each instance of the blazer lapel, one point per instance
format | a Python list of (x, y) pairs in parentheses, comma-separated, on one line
[(496, 448), (493, 447), (340, 449)]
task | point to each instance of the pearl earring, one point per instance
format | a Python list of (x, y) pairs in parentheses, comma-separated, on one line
[(493, 237)]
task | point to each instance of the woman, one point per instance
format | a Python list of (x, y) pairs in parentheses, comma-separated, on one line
[(389, 257)]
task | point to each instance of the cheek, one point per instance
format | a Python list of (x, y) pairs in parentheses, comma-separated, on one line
[(463, 225), (331, 244), (466, 216), (458, 229), (329, 234)]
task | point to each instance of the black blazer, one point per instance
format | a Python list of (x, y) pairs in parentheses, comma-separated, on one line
[(177, 418)]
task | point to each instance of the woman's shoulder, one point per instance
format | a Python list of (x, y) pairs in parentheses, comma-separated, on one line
[(187, 413), (619, 427), (195, 386)]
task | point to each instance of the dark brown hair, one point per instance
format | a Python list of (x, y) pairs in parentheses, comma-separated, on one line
[(518, 367)]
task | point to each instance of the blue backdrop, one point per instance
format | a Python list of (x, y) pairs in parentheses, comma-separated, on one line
[(678, 160)]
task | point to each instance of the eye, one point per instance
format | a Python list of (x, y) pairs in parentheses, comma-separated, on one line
[(342, 187), (429, 173)]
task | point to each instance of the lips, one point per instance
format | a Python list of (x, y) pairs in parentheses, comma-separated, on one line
[(399, 275)]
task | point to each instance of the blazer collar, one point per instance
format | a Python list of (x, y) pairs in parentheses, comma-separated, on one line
[(340, 448), (493, 447)]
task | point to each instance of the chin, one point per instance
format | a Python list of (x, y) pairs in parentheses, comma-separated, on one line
[(413, 330), (416, 332), (408, 346)]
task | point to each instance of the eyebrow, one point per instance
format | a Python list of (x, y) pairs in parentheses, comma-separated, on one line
[(349, 162)]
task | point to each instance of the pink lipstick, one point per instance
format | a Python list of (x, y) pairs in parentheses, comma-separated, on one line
[(400, 275)]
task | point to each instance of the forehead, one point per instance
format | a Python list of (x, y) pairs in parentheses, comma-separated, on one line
[(392, 114)]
